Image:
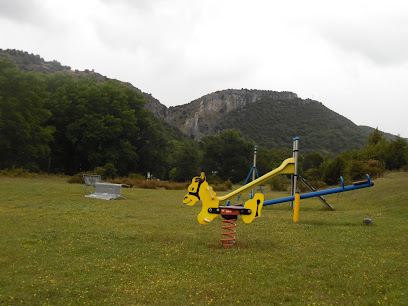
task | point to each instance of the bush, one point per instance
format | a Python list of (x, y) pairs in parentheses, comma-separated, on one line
[(357, 169), (107, 171), (220, 187), (214, 180), (312, 173), (316, 184), (333, 170), (279, 183), (136, 176), (16, 172), (228, 183), (76, 179)]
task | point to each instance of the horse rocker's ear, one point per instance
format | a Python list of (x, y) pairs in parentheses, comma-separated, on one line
[(202, 178)]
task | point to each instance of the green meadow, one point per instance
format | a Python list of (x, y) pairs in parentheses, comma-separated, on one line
[(60, 248)]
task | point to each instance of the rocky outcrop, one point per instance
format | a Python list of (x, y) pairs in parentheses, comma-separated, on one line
[(200, 117)]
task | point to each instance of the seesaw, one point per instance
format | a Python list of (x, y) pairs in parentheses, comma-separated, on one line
[(199, 190)]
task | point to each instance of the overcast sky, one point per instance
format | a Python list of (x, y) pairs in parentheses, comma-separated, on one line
[(350, 55)]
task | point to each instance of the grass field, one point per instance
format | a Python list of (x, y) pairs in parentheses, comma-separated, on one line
[(59, 248)]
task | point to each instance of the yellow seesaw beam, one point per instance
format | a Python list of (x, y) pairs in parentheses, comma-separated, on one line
[(287, 167)]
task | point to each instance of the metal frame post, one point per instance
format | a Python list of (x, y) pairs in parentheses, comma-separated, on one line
[(255, 175), (293, 187), (253, 171)]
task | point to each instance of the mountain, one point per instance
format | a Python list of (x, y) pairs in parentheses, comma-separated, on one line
[(203, 116), (268, 118)]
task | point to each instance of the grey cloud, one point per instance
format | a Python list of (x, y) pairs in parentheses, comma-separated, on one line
[(383, 42), (142, 5), (144, 30), (22, 11)]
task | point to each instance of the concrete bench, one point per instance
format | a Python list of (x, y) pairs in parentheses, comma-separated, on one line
[(91, 180), (106, 191)]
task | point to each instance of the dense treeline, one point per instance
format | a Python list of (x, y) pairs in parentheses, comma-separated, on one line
[(62, 123), (59, 123), (231, 157), (377, 156)]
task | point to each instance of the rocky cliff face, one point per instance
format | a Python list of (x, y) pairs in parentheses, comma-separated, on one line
[(200, 117)]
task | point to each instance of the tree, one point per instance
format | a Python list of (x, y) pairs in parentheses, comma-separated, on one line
[(333, 170), (268, 159), (96, 123), (312, 161), (187, 162), (375, 137), (228, 154), (24, 136), (395, 155), (155, 149)]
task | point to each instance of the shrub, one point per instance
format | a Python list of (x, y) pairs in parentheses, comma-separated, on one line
[(16, 172), (136, 176), (228, 183), (315, 183), (357, 169), (76, 179), (333, 170), (220, 187), (312, 173), (107, 171), (374, 167), (214, 180), (279, 183)]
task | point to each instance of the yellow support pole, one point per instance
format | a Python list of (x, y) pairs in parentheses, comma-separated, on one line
[(296, 207)]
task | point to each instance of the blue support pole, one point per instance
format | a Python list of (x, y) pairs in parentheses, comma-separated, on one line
[(254, 173), (257, 175), (343, 188), (246, 181)]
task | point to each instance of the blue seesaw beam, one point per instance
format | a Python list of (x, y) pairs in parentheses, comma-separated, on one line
[(343, 188)]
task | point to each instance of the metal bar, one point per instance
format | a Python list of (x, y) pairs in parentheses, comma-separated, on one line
[(253, 172), (287, 167), (323, 200), (257, 175), (293, 187), (343, 188), (246, 181)]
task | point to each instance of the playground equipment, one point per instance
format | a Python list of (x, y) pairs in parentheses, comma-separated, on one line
[(255, 174), (200, 190)]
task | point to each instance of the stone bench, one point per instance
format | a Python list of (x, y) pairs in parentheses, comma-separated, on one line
[(106, 191), (91, 180)]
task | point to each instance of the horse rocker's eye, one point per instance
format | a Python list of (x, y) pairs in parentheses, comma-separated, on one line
[(192, 189)]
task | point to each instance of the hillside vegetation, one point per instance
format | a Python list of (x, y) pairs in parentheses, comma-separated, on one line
[(61, 123), (270, 119), (56, 120), (272, 122)]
